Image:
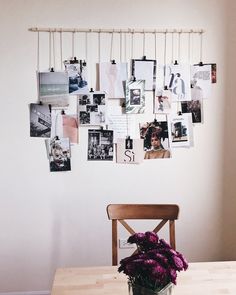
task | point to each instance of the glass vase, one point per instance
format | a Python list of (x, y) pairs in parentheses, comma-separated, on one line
[(139, 290)]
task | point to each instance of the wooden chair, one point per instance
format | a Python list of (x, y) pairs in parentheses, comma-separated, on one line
[(120, 212)]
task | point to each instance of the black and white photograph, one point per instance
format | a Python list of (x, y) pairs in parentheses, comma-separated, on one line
[(59, 154), (177, 79), (156, 139), (53, 85), (145, 69), (162, 102), (78, 77), (195, 108), (100, 145), (92, 108), (40, 120), (181, 130), (201, 79), (135, 97)]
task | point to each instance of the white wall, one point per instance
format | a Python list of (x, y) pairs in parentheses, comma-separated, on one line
[(50, 220)]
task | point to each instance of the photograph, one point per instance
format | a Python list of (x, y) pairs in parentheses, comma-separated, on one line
[(156, 139), (162, 102), (201, 79), (195, 108), (129, 151), (59, 154), (135, 97), (78, 78), (112, 77), (145, 69), (70, 127), (181, 130), (40, 120), (177, 79), (100, 145), (53, 84), (92, 114)]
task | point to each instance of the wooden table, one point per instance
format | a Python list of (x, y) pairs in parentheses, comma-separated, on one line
[(203, 278)]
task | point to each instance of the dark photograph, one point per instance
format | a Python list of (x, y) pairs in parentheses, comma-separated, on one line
[(40, 120), (84, 117), (194, 107), (99, 99), (100, 145), (92, 108), (135, 96), (84, 99)]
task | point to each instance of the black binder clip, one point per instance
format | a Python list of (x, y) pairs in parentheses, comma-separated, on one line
[(113, 62), (40, 103), (91, 90), (144, 57), (51, 70), (165, 87), (84, 64), (176, 63), (56, 137), (74, 60), (179, 113), (133, 79), (201, 64), (63, 112)]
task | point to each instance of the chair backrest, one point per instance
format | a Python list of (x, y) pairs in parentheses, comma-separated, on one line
[(120, 212)]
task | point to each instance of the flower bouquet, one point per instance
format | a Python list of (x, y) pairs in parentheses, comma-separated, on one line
[(154, 268)]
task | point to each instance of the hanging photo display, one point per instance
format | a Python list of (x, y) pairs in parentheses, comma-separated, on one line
[(145, 69), (177, 79), (92, 108), (162, 102), (59, 154), (100, 145), (78, 76), (40, 120), (135, 97), (201, 79), (129, 151), (112, 77), (156, 139), (54, 88), (181, 130)]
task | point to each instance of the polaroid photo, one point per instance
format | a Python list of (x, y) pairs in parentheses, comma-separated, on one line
[(92, 108), (194, 106), (129, 151), (201, 79), (145, 69), (181, 130), (112, 77), (40, 120), (135, 97), (78, 76), (59, 154), (162, 102), (100, 145), (177, 80), (156, 139)]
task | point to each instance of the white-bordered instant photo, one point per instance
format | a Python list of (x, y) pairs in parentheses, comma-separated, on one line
[(100, 145), (162, 102), (78, 76), (54, 88), (59, 154), (177, 79), (156, 139), (92, 108), (201, 79), (145, 69), (129, 151), (112, 77), (122, 124), (181, 130), (40, 120), (135, 97)]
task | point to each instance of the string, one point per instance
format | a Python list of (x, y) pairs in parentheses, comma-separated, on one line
[(86, 46), (155, 36), (125, 46), (121, 46), (112, 35), (73, 44), (99, 46), (172, 48), (53, 50), (179, 43), (189, 47), (50, 49), (38, 52), (61, 50), (164, 59), (132, 44), (201, 41), (144, 41)]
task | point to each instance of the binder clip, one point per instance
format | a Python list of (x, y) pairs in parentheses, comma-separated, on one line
[(165, 87), (201, 64), (63, 112), (144, 57), (51, 70), (113, 62), (179, 113), (176, 63), (91, 90)]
